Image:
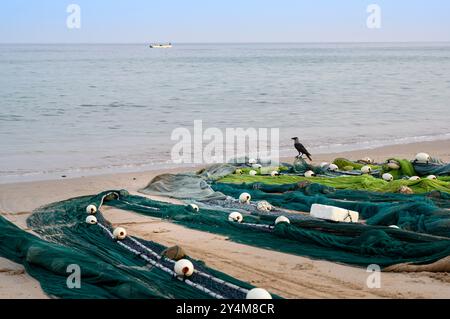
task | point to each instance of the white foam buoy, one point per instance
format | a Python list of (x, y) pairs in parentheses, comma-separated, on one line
[(431, 177), (414, 178), (252, 172), (310, 174), (194, 208), (244, 198), (274, 173), (263, 206), (252, 161), (256, 166), (394, 226), (183, 268), (92, 220), (367, 160), (282, 219), (258, 293), (91, 209), (366, 169), (235, 217), (238, 171), (393, 165), (120, 233), (324, 164), (423, 158), (388, 177), (333, 167), (333, 213)]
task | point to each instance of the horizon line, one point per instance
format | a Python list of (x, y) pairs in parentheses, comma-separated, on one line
[(238, 42)]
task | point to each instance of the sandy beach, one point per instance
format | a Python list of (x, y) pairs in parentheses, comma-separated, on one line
[(287, 275)]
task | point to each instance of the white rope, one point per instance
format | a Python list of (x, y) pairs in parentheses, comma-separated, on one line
[(160, 266), (201, 273), (258, 225)]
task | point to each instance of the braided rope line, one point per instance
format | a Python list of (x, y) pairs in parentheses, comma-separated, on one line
[(168, 270)]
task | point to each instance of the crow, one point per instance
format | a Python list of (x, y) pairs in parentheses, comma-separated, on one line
[(301, 149)]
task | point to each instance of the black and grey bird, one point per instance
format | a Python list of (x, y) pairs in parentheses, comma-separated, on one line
[(301, 149)]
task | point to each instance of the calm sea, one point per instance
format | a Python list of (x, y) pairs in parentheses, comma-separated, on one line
[(87, 109)]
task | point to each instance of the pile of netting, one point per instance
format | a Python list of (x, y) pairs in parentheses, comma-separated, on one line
[(392, 223), (350, 243), (109, 268)]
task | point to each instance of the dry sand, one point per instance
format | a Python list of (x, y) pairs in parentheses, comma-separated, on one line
[(287, 275)]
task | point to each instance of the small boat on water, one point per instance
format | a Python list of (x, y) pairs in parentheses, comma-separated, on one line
[(161, 46)]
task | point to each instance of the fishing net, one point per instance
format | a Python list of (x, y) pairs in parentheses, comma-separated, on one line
[(130, 268), (362, 182), (355, 244), (424, 214), (435, 167)]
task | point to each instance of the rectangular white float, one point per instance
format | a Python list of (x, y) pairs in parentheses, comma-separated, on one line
[(334, 213)]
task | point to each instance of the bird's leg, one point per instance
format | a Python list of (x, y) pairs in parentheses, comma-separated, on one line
[(300, 155)]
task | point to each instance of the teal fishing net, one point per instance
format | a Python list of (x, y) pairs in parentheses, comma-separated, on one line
[(355, 244), (419, 213), (130, 268)]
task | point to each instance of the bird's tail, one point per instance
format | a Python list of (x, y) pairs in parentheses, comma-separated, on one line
[(309, 157)]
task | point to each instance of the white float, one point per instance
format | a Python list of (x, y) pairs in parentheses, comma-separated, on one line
[(91, 220), (282, 219), (244, 198), (310, 174), (252, 172), (388, 177), (235, 217), (324, 164), (252, 161), (256, 166), (414, 178), (333, 167), (183, 267), (120, 233), (423, 158), (367, 160), (263, 206), (194, 208), (258, 293), (274, 173), (238, 171), (91, 209), (333, 213), (431, 177), (366, 169)]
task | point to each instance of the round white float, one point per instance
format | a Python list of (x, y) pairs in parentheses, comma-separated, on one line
[(252, 172), (244, 198), (333, 167), (235, 217), (91, 209), (388, 177), (183, 267), (282, 219), (366, 169), (258, 293), (310, 174), (252, 161), (274, 173), (423, 158), (194, 207), (92, 220), (414, 178), (431, 177), (120, 233), (263, 206)]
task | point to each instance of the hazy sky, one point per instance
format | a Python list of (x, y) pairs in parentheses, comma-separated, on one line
[(132, 21)]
